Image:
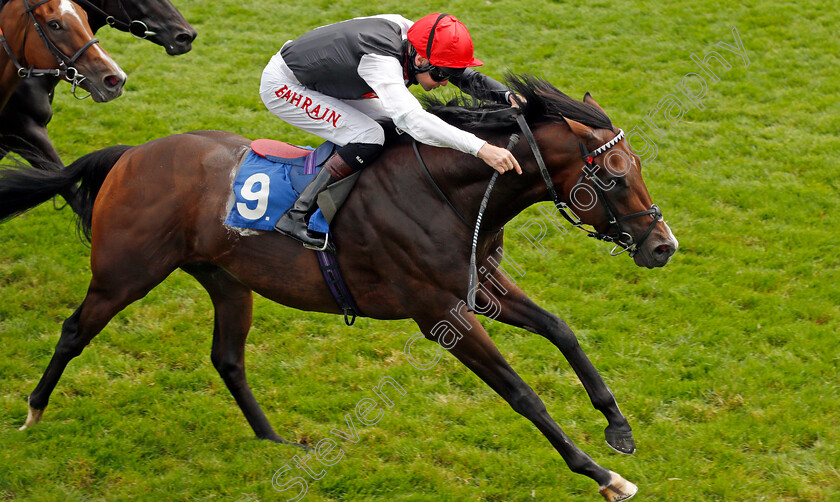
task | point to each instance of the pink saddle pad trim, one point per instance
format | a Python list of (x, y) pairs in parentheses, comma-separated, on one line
[(274, 148)]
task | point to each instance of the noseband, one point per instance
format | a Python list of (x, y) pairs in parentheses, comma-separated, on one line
[(65, 63), (623, 240), (136, 27)]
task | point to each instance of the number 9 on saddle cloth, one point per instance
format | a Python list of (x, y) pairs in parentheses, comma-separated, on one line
[(269, 179)]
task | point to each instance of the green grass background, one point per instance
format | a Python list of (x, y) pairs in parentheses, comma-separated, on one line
[(725, 362)]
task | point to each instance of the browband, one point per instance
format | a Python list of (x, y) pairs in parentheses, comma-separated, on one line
[(606, 146)]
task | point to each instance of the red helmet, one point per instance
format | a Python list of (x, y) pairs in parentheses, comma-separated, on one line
[(444, 41)]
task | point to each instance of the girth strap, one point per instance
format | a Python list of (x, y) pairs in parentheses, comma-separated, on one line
[(338, 288)]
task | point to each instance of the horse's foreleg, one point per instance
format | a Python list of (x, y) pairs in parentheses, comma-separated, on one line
[(518, 310), (23, 122), (479, 354), (233, 304), (27, 137), (36, 148)]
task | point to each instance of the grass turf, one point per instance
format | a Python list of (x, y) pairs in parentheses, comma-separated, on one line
[(725, 361)]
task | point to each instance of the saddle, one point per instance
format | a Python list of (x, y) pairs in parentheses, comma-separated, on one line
[(287, 169), (305, 162), (281, 152)]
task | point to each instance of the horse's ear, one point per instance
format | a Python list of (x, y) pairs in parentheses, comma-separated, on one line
[(580, 130), (589, 100)]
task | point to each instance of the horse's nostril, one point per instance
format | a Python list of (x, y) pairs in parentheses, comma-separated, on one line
[(113, 81), (184, 38), (664, 249)]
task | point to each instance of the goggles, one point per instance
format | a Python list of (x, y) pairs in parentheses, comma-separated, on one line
[(442, 74)]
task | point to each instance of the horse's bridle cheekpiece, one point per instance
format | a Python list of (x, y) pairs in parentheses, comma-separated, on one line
[(623, 240), (65, 63), (137, 28), (625, 243)]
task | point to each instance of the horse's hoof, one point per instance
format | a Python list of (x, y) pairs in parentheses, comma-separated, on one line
[(32, 418), (304, 447), (279, 440), (620, 441), (617, 489)]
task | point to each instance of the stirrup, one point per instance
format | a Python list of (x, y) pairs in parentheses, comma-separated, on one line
[(316, 248)]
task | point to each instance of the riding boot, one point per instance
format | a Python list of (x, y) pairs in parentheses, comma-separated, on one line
[(295, 221)]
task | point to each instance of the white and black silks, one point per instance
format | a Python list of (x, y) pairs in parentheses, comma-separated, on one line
[(337, 81)]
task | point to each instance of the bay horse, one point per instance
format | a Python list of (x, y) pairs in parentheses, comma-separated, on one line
[(403, 249), (52, 37), (23, 122)]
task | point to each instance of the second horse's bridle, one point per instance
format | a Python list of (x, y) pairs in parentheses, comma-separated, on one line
[(66, 63), (134, 26)]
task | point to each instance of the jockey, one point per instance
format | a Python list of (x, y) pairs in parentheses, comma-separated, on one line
[(338, 80)]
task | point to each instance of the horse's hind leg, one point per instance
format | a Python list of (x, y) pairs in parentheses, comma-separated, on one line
[(232, 302), (64, 351), (100, 305), (518, 310)]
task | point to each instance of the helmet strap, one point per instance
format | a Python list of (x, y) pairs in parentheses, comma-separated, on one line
[(411, 68), (432, 37)]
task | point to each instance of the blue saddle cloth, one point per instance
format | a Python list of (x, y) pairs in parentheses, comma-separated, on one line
[(266, 187)]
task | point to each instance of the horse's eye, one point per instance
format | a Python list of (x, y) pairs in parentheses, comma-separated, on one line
[(54, 25), (620, 181)]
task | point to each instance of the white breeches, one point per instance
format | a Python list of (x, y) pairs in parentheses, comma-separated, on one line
[(337, 120)]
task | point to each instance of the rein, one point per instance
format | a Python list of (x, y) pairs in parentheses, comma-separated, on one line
[(136, 27), (472, 286), (65, 69), (443, 195)]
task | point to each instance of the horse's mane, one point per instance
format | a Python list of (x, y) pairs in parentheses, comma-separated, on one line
[(544, 103)]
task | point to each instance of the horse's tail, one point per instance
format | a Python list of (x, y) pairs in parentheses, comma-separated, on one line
[(23, 187)]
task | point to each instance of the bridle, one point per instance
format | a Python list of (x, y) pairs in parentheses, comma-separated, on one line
[(623, 240), (134, 26), (66, 63)]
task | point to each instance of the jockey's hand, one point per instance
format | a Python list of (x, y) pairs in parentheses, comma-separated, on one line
[(513, 102), (499, 158)]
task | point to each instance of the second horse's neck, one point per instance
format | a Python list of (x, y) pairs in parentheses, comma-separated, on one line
[(95, 19), (9, 79)]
